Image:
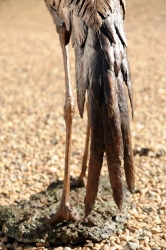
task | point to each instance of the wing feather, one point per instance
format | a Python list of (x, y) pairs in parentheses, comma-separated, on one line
[(91, 11)]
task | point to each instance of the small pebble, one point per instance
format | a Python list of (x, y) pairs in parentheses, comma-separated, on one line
[(146, 239), (134, 240), (89, 244), (86, 248), (105, 247), (122, 243), (156, 230), (44, 244), (131, 246)]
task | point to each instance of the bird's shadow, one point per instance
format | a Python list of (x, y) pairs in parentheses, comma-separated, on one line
[(26, 221)]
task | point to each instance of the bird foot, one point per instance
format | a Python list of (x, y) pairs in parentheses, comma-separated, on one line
[(63, 214), (80, 182)]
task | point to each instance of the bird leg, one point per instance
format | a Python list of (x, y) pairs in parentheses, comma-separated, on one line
[(64, 212), (80, 182)]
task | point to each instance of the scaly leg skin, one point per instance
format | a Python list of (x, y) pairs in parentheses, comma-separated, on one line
[(64, 212), (80, 182)]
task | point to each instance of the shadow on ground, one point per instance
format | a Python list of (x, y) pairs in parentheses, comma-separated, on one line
[(26, 221)]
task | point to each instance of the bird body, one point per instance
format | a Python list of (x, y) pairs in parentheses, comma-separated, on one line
[(102, 70)]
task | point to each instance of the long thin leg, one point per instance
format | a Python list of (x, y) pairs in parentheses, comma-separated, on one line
[(64, 212), (80, 182)]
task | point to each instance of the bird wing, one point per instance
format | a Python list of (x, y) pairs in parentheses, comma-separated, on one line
[(102, 68), (91, 11)]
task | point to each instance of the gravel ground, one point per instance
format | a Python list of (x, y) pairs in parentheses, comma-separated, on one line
[(32, 129)]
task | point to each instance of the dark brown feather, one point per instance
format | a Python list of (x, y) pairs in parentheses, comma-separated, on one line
[(91, 11), (127, 79), (128, 154)]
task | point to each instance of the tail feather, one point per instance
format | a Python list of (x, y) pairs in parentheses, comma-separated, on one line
[(109, 30), (80, 81), (118, 55), (114, 120), (104, 69), (118, 22), (120, 31), (127, 79), (79, 34), (92, 68), (97, 148), (115, 180), (125, 125), (113, 157), (107, 49), (118, 145)]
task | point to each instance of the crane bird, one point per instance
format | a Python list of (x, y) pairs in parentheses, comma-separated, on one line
[(102, 70)]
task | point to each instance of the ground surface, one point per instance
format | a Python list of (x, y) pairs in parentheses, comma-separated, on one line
[(32, 129)]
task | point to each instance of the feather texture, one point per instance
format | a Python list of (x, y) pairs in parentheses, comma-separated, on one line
[(106, 68), (91, 11)]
